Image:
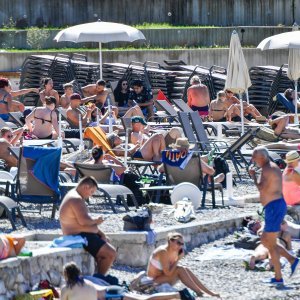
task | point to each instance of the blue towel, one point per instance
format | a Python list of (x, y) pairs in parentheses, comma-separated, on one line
[(176, 158), (70, 241), (46, 167), (285, 102)]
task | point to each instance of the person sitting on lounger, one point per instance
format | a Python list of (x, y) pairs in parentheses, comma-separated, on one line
[(164, 268), (282, 129), (42, 121), (47, 84), (10, 246), (218, 108)]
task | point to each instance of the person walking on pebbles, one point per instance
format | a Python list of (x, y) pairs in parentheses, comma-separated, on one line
[(269, 184)]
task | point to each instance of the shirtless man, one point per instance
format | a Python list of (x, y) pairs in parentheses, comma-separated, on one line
[(269, 184), (65, 98), (198, 96), (9, 138), (234, 107), (74, 111), (48, 91), (282, 129), (218, 108), (74, 219)]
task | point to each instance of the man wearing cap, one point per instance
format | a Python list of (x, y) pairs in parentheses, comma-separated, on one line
[(142, 96), (74, 111), (291, 179), (269, 184), (198, 96)]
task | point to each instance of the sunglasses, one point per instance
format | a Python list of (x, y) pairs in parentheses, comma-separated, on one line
[(124, 84), (10, 136), (178, 242)]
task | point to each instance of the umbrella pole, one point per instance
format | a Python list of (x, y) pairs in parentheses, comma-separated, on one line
[(296, 120), (242, 113), (247, 96), (100, 59)]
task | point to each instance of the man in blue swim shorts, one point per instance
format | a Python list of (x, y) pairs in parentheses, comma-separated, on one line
[(269, 184)]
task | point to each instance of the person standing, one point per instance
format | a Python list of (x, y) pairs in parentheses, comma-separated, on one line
[(198, 96), (74, 219), (269, 184)]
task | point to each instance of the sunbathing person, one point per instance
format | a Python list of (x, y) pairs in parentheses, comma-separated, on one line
[(218, 108), (9, 138), (48, 91), (42, 121), (65, 100), (76, 288), (291, 179), (282, 129), (261, 252), (10, 246), (164, 268), (249, 109)]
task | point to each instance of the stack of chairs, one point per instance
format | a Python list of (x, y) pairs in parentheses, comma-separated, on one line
[(114, 71), (263, 88), (218, 77)]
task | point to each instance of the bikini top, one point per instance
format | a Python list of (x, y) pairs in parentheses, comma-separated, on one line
[(42, 119)]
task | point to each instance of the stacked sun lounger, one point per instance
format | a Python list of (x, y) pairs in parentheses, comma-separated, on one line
[(218, 77)]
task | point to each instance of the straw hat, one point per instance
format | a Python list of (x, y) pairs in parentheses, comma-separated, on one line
[(181, 143), (292, 156)]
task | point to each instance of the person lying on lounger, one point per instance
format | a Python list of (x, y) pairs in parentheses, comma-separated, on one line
[(282, 129), (164, 266)]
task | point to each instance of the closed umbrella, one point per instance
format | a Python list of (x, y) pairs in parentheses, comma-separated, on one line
[(289, 40), (238, 79), (101, 32)]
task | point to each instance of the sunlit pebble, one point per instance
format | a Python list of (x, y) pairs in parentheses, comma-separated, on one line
[(169, 14)]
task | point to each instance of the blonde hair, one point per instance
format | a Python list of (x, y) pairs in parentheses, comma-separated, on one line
[(194, 79)]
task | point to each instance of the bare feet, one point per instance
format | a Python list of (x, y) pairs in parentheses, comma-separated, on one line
[(219, 178), (252, 263)]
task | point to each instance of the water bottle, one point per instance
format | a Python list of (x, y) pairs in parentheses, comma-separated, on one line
[(211, 157), (25, 252)]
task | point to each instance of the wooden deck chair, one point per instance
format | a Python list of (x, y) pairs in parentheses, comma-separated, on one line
[(98, 136), (29, 188), (110, 192)]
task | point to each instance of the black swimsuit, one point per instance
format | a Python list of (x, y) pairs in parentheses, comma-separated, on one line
[(43, 120)]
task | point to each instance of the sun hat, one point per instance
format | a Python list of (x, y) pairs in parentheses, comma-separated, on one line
[(138, 119), (292, 156), (75, 96), (181, 143)]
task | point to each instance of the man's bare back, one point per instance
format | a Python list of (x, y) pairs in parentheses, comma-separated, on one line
[(198, 95), (73, 215), (92, 90)]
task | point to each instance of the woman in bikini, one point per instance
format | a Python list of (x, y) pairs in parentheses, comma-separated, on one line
[(10, 246), (48, 91), (218, 108), (164, 266), (5, 99), (42, 121)]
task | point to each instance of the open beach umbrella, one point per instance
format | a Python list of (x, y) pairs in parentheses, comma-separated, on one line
[(101, 32), (289, 40), (238, 79)]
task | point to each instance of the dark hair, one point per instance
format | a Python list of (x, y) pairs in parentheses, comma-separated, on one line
[(46, 80), (288, 93), (137, 82), (4, 130), (97, 152), (88, 180), (4, 82), (72, 275), (111, 139), (50, 100), (101, 82)]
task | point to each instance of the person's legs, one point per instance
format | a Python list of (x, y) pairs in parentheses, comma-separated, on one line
[(150, 110), (260, 253), (151, 149), (282, 145), (105, 258), (253, 111), (133, 111)]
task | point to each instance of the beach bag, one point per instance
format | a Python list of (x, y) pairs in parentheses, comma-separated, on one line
[(139, 220), (249, 242), (267, 134), (221, 166), (142, 284), (184, 211)]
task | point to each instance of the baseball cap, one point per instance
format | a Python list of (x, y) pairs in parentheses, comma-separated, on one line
[(138, 119)]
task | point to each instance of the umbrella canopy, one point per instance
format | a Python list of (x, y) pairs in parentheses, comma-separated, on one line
[(238, 79), (288, 40), (101, 32)]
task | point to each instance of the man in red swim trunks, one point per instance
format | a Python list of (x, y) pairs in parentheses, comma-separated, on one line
[(198, 96)]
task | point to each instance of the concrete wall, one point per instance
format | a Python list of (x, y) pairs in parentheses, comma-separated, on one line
[(164, 38), (205, 57), (205, 12)]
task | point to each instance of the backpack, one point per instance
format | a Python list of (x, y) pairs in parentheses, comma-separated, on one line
[(221, 166), (139, 220)]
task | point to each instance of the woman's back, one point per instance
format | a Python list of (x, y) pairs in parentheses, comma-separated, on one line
[(79, 292), (290, 188)]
